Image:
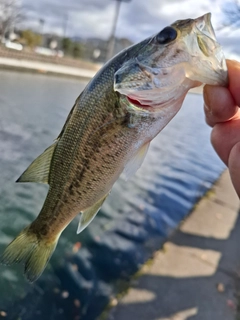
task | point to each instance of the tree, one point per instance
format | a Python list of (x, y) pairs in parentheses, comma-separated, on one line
[(77, 50), (71, 48), (30, 38), (10, 15), (67, 45), (231, 10)]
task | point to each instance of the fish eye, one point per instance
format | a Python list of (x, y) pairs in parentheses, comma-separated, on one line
[(167, 35)]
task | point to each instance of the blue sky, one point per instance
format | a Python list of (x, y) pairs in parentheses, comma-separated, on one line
[(138, 19)]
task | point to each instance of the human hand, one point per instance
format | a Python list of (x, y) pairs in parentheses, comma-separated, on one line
[(223, 114)]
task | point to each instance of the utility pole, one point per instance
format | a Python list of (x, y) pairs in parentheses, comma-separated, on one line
[(42, 22), (65, 23), (111, 41)]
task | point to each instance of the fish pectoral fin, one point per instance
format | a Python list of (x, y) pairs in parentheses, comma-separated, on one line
[(89, 214), (38, 171), (135, 162)]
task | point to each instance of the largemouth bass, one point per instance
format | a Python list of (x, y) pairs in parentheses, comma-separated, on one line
[(109, 129)]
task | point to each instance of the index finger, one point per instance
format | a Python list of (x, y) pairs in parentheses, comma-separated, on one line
[(221, 104), (234, 79)]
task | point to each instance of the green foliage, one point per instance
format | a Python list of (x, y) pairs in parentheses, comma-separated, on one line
[(66, 45), (71, 48), (77, 50), (30, 38)]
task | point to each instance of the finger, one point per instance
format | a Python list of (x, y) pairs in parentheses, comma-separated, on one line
[(234, 79), (219, 104), (234, 166), (224, 136)]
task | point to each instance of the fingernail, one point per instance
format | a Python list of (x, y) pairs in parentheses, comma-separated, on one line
[(207, 109)]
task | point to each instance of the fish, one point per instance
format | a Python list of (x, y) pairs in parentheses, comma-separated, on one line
[(109, 129)]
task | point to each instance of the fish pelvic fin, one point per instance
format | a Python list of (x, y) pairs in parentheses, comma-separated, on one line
[(32, 251), (38, 171), (89, 214), (135, 163)]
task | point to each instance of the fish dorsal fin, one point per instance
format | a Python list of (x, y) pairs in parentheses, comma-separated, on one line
[(135, 162), (38, 171), (89, 214)]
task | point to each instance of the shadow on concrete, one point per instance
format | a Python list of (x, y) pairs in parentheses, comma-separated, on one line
[(209, 297)]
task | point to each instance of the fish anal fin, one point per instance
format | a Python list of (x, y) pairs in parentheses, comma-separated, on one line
[(38, 171), (135, 162), (89, 214)]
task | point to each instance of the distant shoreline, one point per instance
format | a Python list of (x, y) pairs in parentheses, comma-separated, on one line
[(57, 69), (45, 68), (30, 61)]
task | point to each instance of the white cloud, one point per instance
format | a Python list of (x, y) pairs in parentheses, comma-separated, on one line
[(138, 19)]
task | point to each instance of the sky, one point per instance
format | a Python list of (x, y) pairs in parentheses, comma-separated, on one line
[(138, 19)]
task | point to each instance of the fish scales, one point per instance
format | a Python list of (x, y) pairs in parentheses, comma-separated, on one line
[(108, 131)]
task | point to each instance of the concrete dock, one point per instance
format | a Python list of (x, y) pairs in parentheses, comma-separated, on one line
[(196, 274)]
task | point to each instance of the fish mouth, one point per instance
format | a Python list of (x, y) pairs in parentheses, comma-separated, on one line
[(209, 66), (204, 26)]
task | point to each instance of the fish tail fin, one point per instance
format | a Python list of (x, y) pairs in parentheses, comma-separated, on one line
[(30, 249)]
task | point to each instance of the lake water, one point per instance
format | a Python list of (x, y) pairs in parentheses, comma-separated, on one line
[(180, 166)]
